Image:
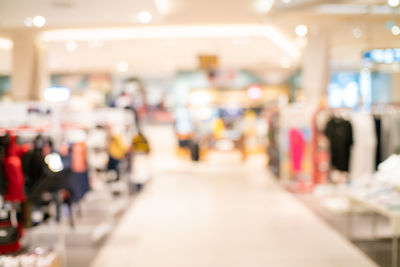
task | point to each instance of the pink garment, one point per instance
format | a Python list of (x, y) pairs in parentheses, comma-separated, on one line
[(297, 146)]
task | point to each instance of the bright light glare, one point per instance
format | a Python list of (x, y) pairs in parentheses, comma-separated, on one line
[(39, 21), (171, 32), (301, 30), (145, 17), (54, 162), (163, 6), (393, 3), (285, 63), (6, 44), (122, 66), (396, 30), (200, 98), (350, 95), (57, 94), (264, 6), (254, 92), (71, 46)]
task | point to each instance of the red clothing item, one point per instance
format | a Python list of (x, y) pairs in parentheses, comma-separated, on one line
[(297, 147), (13, 171), (79, 158)]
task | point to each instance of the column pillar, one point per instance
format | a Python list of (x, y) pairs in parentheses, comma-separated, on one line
[(315, 66), (29, 72)]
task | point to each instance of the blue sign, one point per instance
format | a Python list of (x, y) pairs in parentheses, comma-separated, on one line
[(384, 56)]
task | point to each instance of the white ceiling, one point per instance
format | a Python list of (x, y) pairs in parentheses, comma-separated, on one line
[(163, 57)]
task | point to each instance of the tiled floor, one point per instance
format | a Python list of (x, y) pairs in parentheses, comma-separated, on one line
[(220, 212)]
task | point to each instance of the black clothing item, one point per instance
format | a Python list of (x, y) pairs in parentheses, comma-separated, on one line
[(378, 157), (3, 180), (195, 151), (33, 164), (340, 135)]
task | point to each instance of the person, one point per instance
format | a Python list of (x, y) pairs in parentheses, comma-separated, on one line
[(116, 151)]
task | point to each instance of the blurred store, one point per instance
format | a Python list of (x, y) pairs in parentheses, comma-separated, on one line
[(199, 133)]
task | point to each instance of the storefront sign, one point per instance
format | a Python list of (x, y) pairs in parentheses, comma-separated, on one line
[(385, 56)]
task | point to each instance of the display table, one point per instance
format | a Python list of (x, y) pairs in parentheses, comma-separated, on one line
[(392, 215)]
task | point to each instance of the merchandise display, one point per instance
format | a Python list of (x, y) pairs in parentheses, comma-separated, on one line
[(380, 194), (295, 147), (48, 170), (355, 142), (134, 132)]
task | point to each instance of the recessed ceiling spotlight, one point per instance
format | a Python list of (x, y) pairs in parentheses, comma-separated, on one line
[(393, 3), (122, 66), (28, 22), (39, 21), (357, 33), (145, 17), (71, 46), (396, 30), (286, 1), (301, 30)]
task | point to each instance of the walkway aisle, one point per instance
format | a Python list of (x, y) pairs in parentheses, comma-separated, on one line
[(220, 214)]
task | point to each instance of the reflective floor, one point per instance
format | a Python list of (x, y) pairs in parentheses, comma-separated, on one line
[(220, 212)]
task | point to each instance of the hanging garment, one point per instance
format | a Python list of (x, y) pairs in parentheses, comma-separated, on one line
[(78, 177), (116, 147), (390, 135), (378, 154), (3, 184), (33, 162), (79, 185), (297, 147), (319, 147), (340, 135), (13, 171), (78, 163), (364, 148)]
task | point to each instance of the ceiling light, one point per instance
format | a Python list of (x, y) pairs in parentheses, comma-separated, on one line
[(357, 33), (268, 32), (254, 92), (57, 94), (286, 1), (39, 21), (396, 30), (28, 22), (6, 44), (163, 6), (301, 30), (264, 6), (122, 66), (71, 46), (285, 63), (393, 3), (145, 17)]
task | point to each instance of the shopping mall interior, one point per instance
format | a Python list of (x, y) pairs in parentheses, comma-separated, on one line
[(176, 133)]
